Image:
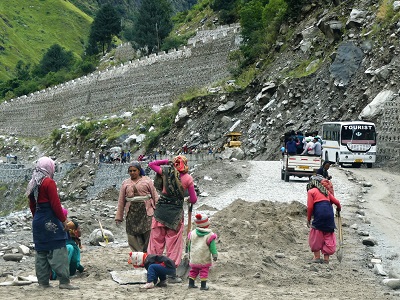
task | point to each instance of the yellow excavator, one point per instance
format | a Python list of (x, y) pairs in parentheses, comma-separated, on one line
[(233, 140)]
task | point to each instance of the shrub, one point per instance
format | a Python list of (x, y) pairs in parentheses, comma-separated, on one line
[(85, 128), (55, 136)]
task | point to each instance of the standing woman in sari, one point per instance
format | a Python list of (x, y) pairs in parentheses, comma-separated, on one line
[(322, 237), (48, 226), (168, 221), (137, 198)]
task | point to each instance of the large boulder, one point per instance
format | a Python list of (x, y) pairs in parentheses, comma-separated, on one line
[(375, 108), (234, 152), (357, 18), (346, 63), (332, 29)]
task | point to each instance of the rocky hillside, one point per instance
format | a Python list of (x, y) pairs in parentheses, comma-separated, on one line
[(338, 62), (332, 65)]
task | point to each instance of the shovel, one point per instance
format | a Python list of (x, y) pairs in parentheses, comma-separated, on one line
[(105, 238), (339, 251), (183, 268)]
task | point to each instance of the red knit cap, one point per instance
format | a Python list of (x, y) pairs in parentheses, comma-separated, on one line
[(202, 221)]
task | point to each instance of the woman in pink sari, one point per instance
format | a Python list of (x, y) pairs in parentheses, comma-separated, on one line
[(167, 225)]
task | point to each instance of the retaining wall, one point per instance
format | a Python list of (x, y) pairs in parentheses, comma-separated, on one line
[(153, 80), (388, 140), (112, 175)]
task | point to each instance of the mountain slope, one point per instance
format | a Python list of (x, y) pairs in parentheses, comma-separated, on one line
[(29, 28)]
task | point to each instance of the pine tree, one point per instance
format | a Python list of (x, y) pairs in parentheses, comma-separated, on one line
[(152, 24), (106, 24)]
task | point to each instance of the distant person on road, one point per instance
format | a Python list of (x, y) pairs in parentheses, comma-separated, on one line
[(49, 226), (291, 147), (321, 238), (168, 222), (137, 199), (323, 170), (283, 150), (317, 147)]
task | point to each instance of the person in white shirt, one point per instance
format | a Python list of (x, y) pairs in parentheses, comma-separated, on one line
[(309, 148)]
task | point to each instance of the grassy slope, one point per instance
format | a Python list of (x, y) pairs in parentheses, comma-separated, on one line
[(29, 28)]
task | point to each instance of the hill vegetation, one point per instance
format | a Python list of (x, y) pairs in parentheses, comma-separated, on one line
[(30, 28)]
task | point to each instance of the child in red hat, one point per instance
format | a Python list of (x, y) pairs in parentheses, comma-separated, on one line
[(202, 247)]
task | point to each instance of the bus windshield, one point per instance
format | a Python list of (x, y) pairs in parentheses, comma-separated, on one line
[(358, 134)]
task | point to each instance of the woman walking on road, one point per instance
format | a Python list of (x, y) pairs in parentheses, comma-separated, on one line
[(319, 205), (137, 198), (168, 222)]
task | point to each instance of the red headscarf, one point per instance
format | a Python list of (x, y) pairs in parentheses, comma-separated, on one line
[(180, 164)]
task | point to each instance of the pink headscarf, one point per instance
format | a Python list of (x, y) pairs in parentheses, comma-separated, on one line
[(45, 167)]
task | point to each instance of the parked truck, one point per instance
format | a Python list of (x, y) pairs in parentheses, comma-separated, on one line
[(299, 166)]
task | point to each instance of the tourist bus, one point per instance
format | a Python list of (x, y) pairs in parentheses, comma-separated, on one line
[(352, 142)]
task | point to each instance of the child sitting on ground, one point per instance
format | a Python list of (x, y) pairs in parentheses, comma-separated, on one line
[(201, 247), (74, 246), (157, 266)]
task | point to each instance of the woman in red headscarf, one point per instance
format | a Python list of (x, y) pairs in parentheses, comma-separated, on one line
[(167, 225)]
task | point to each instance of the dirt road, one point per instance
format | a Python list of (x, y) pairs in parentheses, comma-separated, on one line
[(382, 211), (263, 247)]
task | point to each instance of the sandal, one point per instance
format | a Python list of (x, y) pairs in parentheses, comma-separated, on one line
[(316, 260)]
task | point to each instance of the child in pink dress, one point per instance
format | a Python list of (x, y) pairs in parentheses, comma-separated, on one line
[(201, 247)]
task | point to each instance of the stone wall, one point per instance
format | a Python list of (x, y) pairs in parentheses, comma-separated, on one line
[(112, 175), (152, 80), (388, 141), (23, 172), (10, 173)]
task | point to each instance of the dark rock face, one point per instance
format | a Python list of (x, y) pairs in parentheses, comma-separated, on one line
[(346, 63)]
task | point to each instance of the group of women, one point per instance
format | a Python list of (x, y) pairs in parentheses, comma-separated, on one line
[(154, 217)]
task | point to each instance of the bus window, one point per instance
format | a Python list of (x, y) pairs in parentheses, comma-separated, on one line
[(354, 133)]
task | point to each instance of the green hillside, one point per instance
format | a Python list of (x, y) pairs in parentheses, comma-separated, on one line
[(29, 28)]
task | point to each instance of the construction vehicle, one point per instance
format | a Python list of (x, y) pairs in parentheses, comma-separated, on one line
[(233, 140)]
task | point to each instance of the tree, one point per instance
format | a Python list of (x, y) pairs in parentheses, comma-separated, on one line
[(55, 59), (252, 29), (152, 24), (294, 7), (22, 71), (106, 24), (227, 10)]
